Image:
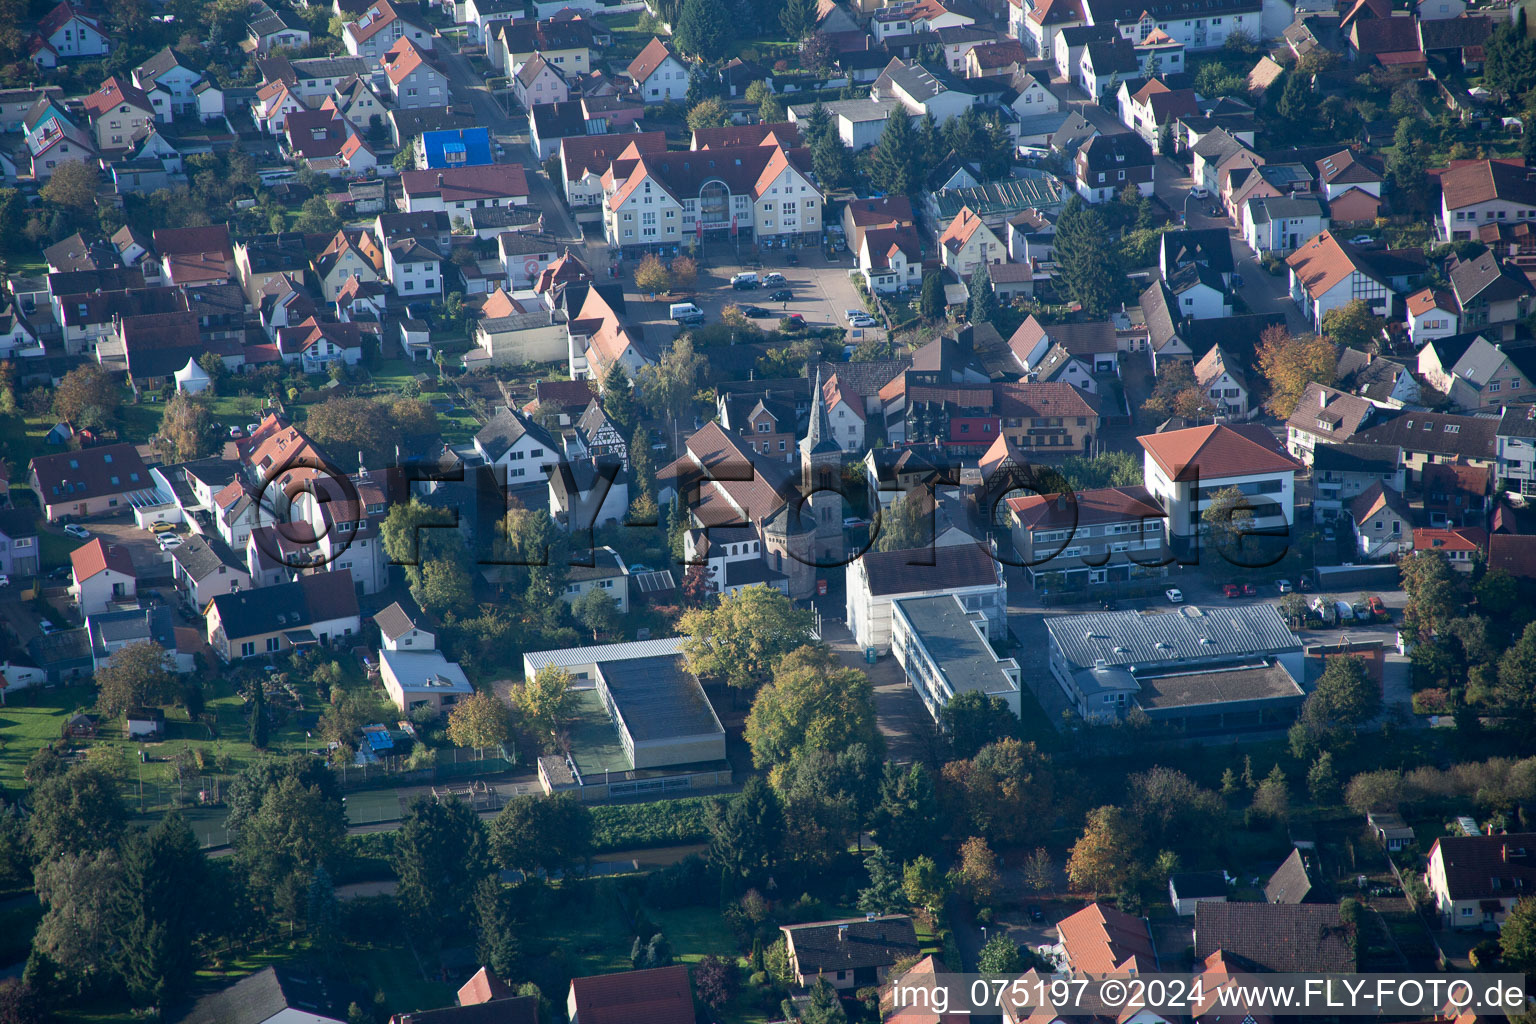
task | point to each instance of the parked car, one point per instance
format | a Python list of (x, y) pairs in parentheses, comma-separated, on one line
[(251, 428), (47, 627), (162, 527), (78, 531), (5, 581), (1249, 590), (169, 541), (753, 311), (236, 433), (1328, 533), (1304, 584), (745, 280), (769, 280), (1200, 192), (1361, 240), (1377, 609), (851, 522), (863, 320), (792, 259), (1035, 913), (1284, 586), (1231, 590), (1175, 595), (782, 295), (796, 320)]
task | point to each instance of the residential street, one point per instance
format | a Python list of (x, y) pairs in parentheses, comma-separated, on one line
[(513, 133)]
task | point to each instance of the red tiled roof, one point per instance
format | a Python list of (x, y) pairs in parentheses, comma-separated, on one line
[(1045, 399), (960, 230), (96, 557), (1217, 451), (113, 92), (652, 57), (1515, 553), (1086, 508), (1457, 538), (467, 184), (661, 995), (1482, 181), (1488, 867), (584, 154), (1103, 940)]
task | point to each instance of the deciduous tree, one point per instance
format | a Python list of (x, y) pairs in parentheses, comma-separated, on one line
[(547, 699), (651, 275), (73, 184), (479, 720), (596, 610), (80, 810), (186, 427), (1353, 325), (813, 703), (1102, 857), (977, 874), (536, 832), (87, 397), (1000, 957), (1003, 793), (138, 675), (708, 113), (742, 638), (924, 884), (1290, 363), (971, 720)]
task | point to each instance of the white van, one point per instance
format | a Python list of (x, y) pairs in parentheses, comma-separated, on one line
[(686, 313), (745, 279)]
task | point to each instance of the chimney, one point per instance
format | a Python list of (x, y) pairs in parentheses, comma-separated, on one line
[(1061, 502), (439, 179), (842, 933), (1322, 399)]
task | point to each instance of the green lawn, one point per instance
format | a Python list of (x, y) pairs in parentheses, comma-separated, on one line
[(32, 719)]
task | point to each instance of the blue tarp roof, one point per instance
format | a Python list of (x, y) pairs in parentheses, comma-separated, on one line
[(455, 147)]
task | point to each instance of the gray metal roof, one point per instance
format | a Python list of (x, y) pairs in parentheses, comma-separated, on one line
[(603, 653), (1190, 633)]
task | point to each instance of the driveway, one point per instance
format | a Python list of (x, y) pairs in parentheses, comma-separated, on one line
[(822, 291), (899, 712)]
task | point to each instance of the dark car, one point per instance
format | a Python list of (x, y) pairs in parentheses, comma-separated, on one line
[(782, 295), (1231, 590), (796, 321), (754, 311), (1249, 590), (792, 260), (1036, 914)]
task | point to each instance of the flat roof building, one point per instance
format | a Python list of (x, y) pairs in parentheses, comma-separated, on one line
[(944, 651), (644, 692), (1221, 669), (415, 679)]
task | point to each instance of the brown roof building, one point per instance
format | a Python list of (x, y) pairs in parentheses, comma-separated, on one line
[(661, 995), (1279, 937)]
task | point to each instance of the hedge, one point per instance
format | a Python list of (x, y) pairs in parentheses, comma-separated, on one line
[(657, 823)]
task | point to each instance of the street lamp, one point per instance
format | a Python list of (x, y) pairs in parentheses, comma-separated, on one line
[(983, 935)]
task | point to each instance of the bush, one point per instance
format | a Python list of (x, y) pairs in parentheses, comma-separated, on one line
[(1433, 701), (660, 823)]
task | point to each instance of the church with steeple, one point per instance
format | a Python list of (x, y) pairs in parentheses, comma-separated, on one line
[(821, 479)]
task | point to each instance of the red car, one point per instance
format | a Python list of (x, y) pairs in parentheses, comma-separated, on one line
[(1232, 590)]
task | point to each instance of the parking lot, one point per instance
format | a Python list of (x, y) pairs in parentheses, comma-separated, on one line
[(822, 291)]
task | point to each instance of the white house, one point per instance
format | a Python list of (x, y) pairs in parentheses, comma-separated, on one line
[(379, 28), (1482, 192), (1184, 468), (515, 444), (966, 571), (1432, 313), (402, 629), (659, 73), (66, 32), (414, 269), (891, 259), (1327, 274), (1281, 223), (101, 576)]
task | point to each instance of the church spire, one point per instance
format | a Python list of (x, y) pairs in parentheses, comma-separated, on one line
[(818, 435)]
